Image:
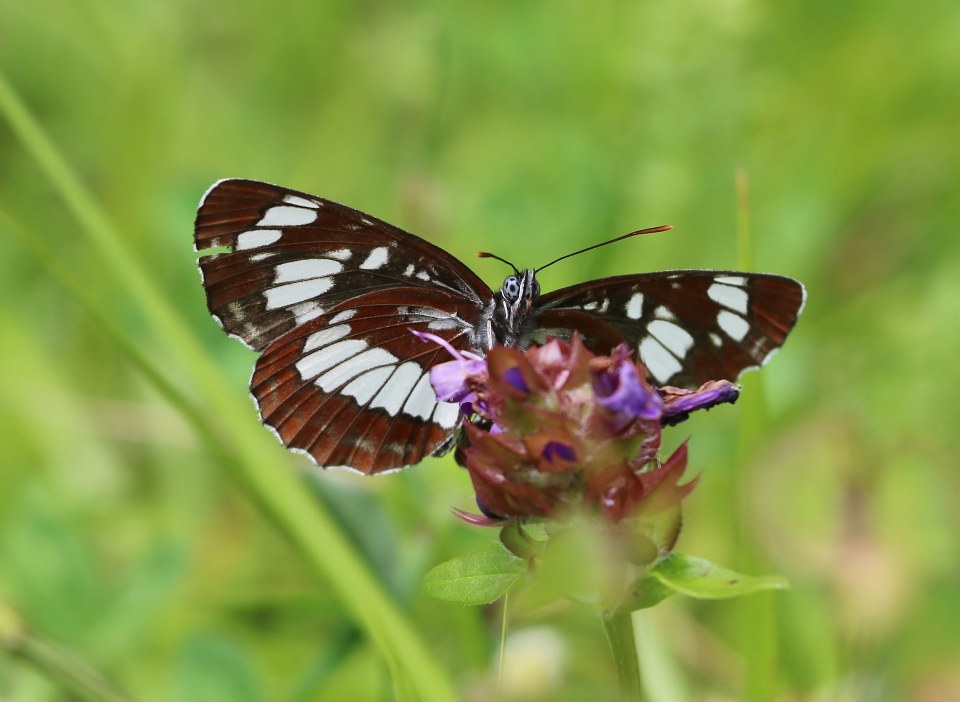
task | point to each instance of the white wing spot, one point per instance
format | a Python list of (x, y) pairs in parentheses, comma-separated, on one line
[(340, 254), (715, 338), (675, 338), (305, 311), (343, 316), (423, 275), (354, 366), (605, 305), (300, 201), (770, 354), (408, 271), (291, 293), (284, 216), (734, 280), (377, 258), (325, 336), (734, 325), (663, 313), (635, 306), (661, 364), (256, 238), (365, 386), (312, 365), (730, 297), (366, 221), (591, 306), (392, 395), (253, 258), (446, 414), (422, 400), (306, 268)]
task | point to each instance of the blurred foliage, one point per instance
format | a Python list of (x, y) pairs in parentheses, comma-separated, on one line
[(528, 129)]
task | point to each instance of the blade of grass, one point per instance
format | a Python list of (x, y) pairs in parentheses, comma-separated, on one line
[(276, 489), (758, 634)]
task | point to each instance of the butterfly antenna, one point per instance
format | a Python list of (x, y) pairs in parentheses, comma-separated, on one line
[(485, 254), (651, 230)]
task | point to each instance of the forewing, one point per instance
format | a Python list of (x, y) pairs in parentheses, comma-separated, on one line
[(292, 257), (688, 326), (329, 295)]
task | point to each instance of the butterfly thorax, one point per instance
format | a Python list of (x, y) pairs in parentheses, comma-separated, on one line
[(514, 309)]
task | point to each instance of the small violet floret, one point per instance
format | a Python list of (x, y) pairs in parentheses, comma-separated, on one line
[(620, 389)]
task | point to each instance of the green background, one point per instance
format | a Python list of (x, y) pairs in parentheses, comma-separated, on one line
[(131, 533)]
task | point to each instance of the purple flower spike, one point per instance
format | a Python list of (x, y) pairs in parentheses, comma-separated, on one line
[(624, 392), (679, 403)]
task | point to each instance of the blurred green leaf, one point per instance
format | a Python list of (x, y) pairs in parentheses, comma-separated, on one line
[(697, 578), (476, 578)]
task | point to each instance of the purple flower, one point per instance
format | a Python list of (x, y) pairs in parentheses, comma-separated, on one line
[(620, 389), (514, 376), (451, 379), (556, 450), (678, 403)]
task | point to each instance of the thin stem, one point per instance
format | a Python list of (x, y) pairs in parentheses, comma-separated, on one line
[(54, 662), (619, 628), (503, 640)]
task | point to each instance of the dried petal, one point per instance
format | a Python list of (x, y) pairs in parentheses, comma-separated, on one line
[(678, 403)]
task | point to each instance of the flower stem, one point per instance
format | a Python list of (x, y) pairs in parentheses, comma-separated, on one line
[(54, 662), (619, 628)]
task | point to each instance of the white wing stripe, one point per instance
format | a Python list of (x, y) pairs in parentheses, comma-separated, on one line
[(256, 238), (730, 297), (300, 201), (365, 386), (292, 293), (325, 336), (352, 367), (674, 338), (284, 216), (661, 364), (377, 259), (392, 395), (306, 268), (312, 365), (734, 325), (422, 400), (446, 414)]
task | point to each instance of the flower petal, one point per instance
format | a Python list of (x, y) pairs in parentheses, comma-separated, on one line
[(622, 390), (451, 379)]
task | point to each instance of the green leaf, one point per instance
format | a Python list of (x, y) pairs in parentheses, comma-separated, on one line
[(695, 577), (476, 578)]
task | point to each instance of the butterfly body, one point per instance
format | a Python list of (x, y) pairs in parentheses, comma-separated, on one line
[(328, 296)]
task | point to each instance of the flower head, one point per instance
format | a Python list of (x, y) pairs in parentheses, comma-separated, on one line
[(555, 429)]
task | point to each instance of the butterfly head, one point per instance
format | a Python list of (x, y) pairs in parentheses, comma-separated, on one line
[(514, 304)]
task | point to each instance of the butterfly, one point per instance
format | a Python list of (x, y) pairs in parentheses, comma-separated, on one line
[(328, 295)]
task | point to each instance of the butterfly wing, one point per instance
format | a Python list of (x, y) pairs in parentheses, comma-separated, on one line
[(329, 295), (688, 326)]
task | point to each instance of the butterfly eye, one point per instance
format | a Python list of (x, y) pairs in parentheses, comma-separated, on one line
[(511, 288)]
